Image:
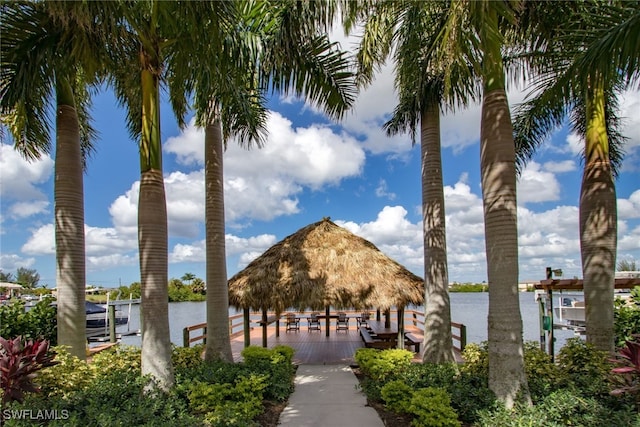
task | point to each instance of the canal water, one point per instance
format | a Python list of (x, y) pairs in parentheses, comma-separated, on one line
[(468, 308)]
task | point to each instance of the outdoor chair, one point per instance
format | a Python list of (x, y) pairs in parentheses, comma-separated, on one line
[(343, 322), (292, 322), (363, 319), (313, 322)]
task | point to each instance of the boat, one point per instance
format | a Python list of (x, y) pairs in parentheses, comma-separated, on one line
[(571, 313), (98, 319)]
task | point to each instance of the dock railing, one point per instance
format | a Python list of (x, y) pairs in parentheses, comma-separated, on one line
[(412, 318)]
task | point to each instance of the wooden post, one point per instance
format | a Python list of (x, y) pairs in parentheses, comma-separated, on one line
[(277, 327), (246, 327), (463, 337), (112, 323), (550, 336), (264, 328), (377, 314), (387, 318), (327, 320), (541, 319), (185, 337), (401, 327)]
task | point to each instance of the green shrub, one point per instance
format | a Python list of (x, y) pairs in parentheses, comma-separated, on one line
[(120, 358), (382, 364), (418, 375), (276, 363), (186, 358), (68, 376), (470, 395), (39, 322), (432, 408), (585, 368), (626, 318), (542, 374), (228, 404), (115, 399), (397, 396), (286, 352), (476, 359), (561, 408)]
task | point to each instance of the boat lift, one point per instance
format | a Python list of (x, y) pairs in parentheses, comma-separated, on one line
[(544, 296)]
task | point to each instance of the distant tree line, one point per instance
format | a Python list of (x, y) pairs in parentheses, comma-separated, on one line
[(25, 277)]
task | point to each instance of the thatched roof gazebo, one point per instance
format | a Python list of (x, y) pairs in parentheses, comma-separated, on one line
[(323, 265)]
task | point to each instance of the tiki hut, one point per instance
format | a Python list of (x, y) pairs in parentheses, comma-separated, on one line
[(324, 265)]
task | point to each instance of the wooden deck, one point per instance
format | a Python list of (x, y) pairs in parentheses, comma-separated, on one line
[(312, 347)]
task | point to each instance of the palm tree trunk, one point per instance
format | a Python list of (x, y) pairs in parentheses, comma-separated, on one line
[(438, 342), (218, 339), (498, 174), (69, 226), (598, 225), (153, 242)]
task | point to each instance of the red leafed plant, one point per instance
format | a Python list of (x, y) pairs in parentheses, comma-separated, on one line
[(19, 362), (628, 359)]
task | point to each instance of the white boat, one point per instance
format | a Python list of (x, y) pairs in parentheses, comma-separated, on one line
[(570, 312)]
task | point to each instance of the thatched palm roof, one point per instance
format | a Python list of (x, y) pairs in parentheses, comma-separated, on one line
[(323, 265)]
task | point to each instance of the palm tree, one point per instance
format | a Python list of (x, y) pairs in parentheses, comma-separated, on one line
[(572, 83), (273, 43), (408, 25), (53, 48), (142, 61), (491, 21), (472, 32), (188, 277)]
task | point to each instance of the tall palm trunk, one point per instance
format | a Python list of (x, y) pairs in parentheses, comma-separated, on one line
[(218, 342), (598, 228), (153, 241), (438, 343), (69, 225), (498, 174)]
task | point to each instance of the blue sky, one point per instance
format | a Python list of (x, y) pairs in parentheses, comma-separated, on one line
[(310, 168)]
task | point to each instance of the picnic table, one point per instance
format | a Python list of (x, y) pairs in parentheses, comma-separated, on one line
[(380, 329)]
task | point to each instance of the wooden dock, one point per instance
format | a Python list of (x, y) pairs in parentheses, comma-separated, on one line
[(311, 347)]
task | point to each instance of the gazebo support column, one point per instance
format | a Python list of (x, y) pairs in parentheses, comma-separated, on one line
[(387, 318), (400, 327), (247, 327), (327, 320), (264, 328), (378, 315)]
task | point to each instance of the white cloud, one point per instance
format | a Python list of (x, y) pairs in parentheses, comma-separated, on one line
[(537, 185), (630, 113), (21, 179), (188, 146), (105, 241), (115, 261), (575, 144), (629, 208), (263, 183), (24, 176), (11, 262), (560, 167), (383, 191), (248, 249), (25, 209), (41, 242)]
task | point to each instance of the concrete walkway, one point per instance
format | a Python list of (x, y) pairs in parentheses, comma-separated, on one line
[(326, 396)]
